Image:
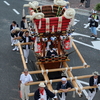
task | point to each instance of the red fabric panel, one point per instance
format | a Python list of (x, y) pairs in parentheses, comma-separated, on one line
[(53, 21), (56, 25), (43, 30)]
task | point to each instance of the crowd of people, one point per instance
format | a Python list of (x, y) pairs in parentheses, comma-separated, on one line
[(42, 93), (21, 33)]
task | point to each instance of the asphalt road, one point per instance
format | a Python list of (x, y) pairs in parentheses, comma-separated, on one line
[(11, 64)]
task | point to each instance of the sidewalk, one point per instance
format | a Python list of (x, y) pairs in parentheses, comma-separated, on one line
[(81, 10), (75, 4)]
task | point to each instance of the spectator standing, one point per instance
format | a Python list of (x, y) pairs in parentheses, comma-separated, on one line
[(67, 4), (24, 79), (93, 20), (81, 3)]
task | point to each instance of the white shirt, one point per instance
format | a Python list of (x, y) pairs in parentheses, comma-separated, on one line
[(44, 96), (27, 40), (95, 81), (24, 79)]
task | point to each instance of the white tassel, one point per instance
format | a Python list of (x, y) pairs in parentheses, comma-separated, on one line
[(72, 22), (35, 27), (26, 25), (47, 26), (35, 45), (59, 24), (52, 8), (23, 12), (41, 8)]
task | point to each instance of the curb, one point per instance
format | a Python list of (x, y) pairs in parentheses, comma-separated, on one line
[(83, 11)]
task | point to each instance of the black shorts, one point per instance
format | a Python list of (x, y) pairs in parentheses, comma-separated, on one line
[(82, 1), (14, 34)]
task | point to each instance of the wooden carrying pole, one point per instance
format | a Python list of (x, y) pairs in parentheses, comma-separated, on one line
[(27, 43), (73, 89), (58, 69), (46, 78), (21, 53), (71, 75), (58, 80), (79, 54)]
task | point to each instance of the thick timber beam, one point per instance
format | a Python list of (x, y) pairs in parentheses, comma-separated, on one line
[(79, 54), (58, 80), (69, 73), (73, 89), (27, 43), (22, 56), (46, 78), (57, 69)]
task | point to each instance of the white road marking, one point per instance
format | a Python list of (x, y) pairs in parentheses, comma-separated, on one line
[(84, 44), (76, 21), (96, 44), (98, 28), (6, 3), (86, 25), (16, 11), (74, 33), (80, 85), (83, 82)]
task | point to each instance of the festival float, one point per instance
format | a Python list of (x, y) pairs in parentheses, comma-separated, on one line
[(52, 24)]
